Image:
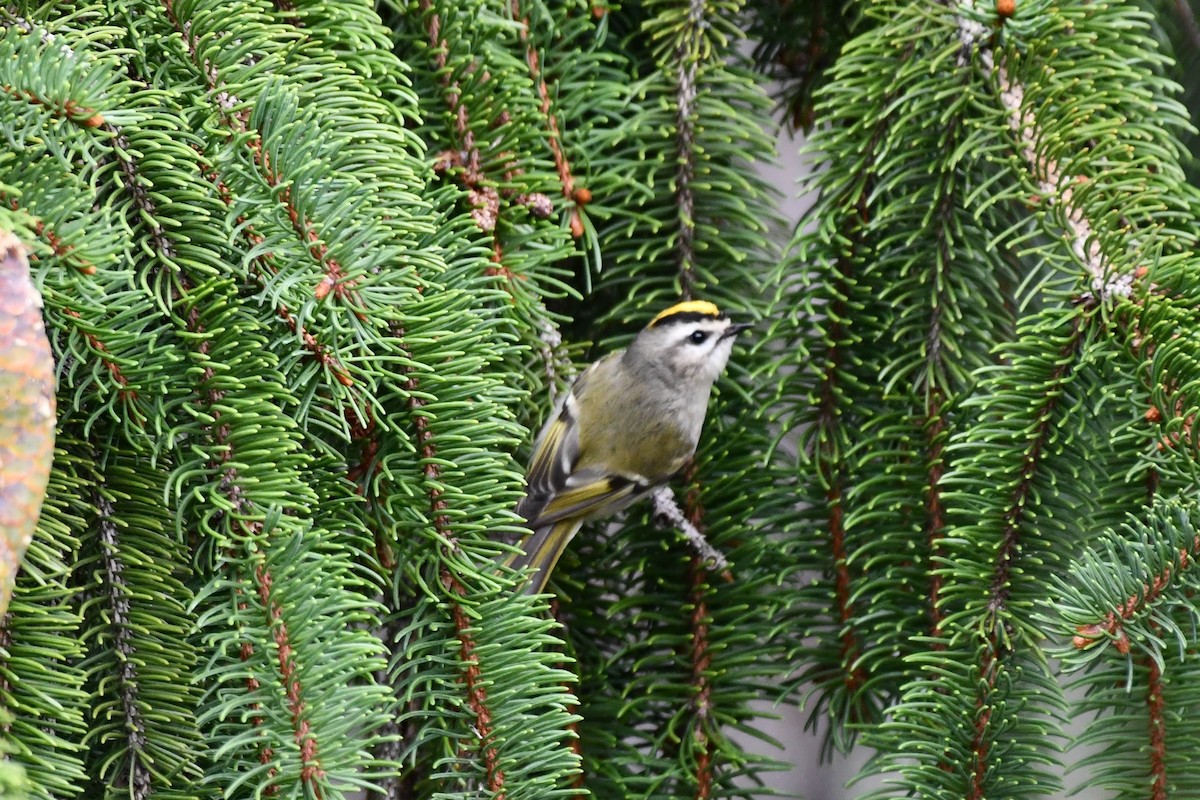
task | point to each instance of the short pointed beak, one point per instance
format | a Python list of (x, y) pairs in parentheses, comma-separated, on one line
[(736, 328)]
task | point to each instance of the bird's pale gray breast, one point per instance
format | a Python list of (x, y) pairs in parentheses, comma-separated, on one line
[(649, 429)]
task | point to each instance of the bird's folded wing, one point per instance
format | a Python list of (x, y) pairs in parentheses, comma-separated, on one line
[(555, 453), (590, 495)]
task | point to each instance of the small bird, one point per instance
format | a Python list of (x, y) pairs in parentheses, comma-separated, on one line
[(630, 421)]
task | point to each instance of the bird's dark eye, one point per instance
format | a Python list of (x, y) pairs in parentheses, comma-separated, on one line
[(698, 337)]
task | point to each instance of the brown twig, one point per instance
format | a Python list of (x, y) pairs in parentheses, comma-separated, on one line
[(1156, 707), (701, 657), (980, 747), (1112, 626), (312, 772)]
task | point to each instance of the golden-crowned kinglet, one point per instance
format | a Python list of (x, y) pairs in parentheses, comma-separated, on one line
[(630, 421)]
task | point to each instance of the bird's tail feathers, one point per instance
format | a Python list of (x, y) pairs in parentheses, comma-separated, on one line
[(542, 549)]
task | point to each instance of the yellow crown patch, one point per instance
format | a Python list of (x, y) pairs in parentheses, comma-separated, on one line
[(701, 308)]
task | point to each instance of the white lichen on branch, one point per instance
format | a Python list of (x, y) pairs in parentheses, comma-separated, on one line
[(1054, 186), (667, 508)]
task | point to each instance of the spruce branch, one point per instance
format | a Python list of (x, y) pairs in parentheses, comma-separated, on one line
[(259, 584), (214, 396), (265, 131), (67, 109), (1149, 325), (576, 740), (97, 344), (142, 736), (52, 241), (334, 280), (827, 458), (936, 381), (289, 588), (474, 682), (701, 657), (834, 267), (482, 196), (578, 198), (492, 124), (936, 433), (1112, 626), (1031, 462), (1133, 588), (983, 736), (701, 684), (1101, 230), (311, 772), (991, 627), (65, 83), (394, 732), (1156, 706), (1122, 589), (688, 49), (240, 123), (135, 776), (264, 261), (264, 269), (1057, 188), (127, 164), (1078, 200)]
